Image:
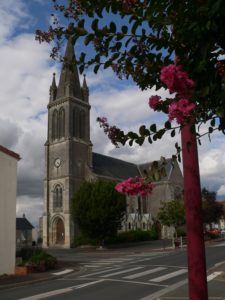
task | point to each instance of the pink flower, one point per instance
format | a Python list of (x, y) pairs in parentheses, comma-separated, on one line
[(177, 80), (134, 186), (180, 109), (154, 102)]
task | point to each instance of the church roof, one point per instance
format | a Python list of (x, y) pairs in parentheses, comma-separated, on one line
[(112, 167), (23, 224), (120, 170)]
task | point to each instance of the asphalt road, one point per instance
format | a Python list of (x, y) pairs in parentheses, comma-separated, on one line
[(133, 273)]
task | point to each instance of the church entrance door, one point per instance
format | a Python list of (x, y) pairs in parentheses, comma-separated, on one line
[(60, 232)]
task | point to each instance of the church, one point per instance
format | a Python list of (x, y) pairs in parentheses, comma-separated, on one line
[(69, 161)]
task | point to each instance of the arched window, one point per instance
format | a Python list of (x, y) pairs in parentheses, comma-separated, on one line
[(76, 122), (55, 125), (61, 123), (82, 124), (57, 197)]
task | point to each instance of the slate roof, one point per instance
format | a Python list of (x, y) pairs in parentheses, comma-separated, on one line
[(23, 224), (112, 167), (119, 169)]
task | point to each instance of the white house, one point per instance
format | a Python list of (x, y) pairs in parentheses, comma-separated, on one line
[(8, 183)]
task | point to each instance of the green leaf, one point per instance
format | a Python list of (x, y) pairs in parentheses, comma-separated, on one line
[(160, 133), (82, 57), (140, 140), (173, 133), (81, 23), (149, 140), (96, 68), (94, 24), (107, 64), (124, 29), (112, 27), (134, 27), (210, 129), (81, 69), (88, 39), (167, 125), (153, 128), (213, 122)]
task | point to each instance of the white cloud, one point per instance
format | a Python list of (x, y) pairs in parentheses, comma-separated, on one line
[(13, 16), (10, 133), (221, 190)]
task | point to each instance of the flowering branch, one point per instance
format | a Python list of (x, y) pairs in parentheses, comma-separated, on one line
[(135, 186)]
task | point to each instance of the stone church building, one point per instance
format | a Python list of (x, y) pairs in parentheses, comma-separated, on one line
[(69, 161)]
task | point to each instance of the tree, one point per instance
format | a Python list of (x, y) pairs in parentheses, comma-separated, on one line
[(212, 209), (172, 214), (136, 38), (98, 209)]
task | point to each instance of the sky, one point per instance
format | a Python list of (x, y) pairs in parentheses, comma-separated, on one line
[(25, 76)]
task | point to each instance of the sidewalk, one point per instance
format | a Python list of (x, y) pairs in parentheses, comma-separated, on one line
[(8, 281)]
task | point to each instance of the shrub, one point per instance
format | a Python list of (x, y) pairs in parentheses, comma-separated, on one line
[(27, 252), (134, 236), (81, 240), (41, 258)]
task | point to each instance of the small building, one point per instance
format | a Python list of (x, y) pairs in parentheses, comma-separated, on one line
[(24, 236), (8, 184)]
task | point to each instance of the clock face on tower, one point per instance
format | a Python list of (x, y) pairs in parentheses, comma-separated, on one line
[(57, 162)]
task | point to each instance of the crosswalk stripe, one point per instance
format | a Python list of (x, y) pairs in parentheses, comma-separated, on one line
[(92, 266), (168, 276), (102, 262), (213, 275), (144, 273), (121, 272), (100, 272)]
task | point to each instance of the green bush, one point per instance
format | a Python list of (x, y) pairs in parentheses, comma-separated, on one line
[(81, 240), (43, 258), (134, 236), (27, 252)]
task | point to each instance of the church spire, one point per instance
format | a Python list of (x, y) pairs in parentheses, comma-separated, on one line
[(69, 83), (53, 89), (85, 90)]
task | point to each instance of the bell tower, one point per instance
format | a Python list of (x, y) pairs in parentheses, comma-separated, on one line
[(67, 151)]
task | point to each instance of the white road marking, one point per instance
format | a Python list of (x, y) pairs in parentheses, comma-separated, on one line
[(92, 266), (144, 273), (48, 294), (170, 275), (162, 292), (76, 287), (136, 282), (213, 275), (100, 272), (63, 272), (218, 245), (61, 291), (102, 263), (121, 272)]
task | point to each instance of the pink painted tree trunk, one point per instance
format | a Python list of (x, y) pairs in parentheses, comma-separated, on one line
[(193, 210)]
